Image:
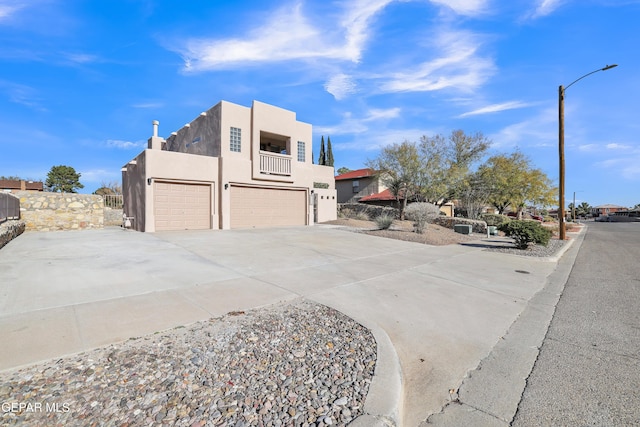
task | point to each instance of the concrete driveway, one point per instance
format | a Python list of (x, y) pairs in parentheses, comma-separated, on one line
[(442, 309)]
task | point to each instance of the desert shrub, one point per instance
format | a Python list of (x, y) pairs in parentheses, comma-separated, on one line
[(548, 218), (495, 220), (366, 212), (353, 214), (345, 213), (361, 216), (384, 221), (526, 232), (420, 214)]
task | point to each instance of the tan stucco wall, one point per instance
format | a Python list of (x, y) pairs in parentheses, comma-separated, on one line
[(134, 190), (201, 166), (166, 166)]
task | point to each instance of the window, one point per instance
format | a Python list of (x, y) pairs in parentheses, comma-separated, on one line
[(301, 151), (235, 139), (356, 186)]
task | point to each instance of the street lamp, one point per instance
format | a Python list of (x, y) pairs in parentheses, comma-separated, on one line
[(561, 91)]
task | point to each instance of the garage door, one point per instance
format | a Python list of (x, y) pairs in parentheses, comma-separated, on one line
[(182, 206), (267, 207)]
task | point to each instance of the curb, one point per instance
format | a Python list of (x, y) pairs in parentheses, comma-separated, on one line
[(383, 404), (490, 394)]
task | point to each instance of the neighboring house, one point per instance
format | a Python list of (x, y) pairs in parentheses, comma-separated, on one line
[(10, 185), (353, 186), (231, 167), (606, 210)]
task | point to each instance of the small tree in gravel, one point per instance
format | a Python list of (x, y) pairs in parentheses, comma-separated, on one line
[(421, 214)]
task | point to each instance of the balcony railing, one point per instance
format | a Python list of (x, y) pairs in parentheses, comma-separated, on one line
[(275, 164)]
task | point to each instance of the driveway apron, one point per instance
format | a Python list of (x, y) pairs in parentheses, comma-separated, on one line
[(442, 307)]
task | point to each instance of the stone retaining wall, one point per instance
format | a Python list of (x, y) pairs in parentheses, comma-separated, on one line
[(60, 211), (372, 211), (449, 222), (10, 230)]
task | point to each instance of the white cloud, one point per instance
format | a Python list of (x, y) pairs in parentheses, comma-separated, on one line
[(627, 167), (352, 126), (546, 7), (539, 131), (22, 94), (494, 108), (616, 146), (464, 7), (588, 147), (340, 86), (287, 35), (124, 145), (148, 105), (378, 114), (381, 138), (7, 9), (459, 65), (81, 58), (611, 146)]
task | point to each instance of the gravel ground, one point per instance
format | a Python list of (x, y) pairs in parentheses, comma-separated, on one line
[(403, 230), (534, 250), (437, 235), (298, 364)]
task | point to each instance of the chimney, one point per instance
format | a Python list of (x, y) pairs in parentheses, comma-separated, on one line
[(155, 142)]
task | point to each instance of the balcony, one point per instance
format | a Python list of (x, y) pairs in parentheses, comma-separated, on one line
[(275, 164)]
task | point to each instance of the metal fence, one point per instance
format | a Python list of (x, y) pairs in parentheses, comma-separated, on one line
[(9, 207), (113, 201)]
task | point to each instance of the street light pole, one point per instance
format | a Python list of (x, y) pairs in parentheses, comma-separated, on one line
[(561, 91)]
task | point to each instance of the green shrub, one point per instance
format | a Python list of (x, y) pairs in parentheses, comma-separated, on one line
[(384, 221), (526, 232), (495, 220)]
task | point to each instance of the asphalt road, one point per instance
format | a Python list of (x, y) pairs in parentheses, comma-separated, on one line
[(588, 369)]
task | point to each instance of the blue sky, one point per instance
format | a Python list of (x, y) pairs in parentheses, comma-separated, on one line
[(81, 81)]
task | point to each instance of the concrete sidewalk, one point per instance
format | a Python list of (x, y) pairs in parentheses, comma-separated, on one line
[(436, 312)]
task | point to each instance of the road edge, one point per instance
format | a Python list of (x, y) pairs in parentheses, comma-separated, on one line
[(490, 394)]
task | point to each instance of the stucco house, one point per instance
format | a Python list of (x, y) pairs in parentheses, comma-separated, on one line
[(231, 167), (354, 185)]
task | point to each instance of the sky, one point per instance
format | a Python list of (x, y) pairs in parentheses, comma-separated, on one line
[(81, 81)]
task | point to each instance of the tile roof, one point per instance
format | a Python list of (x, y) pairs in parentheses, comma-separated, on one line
[(360, 173), (383, 195)]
